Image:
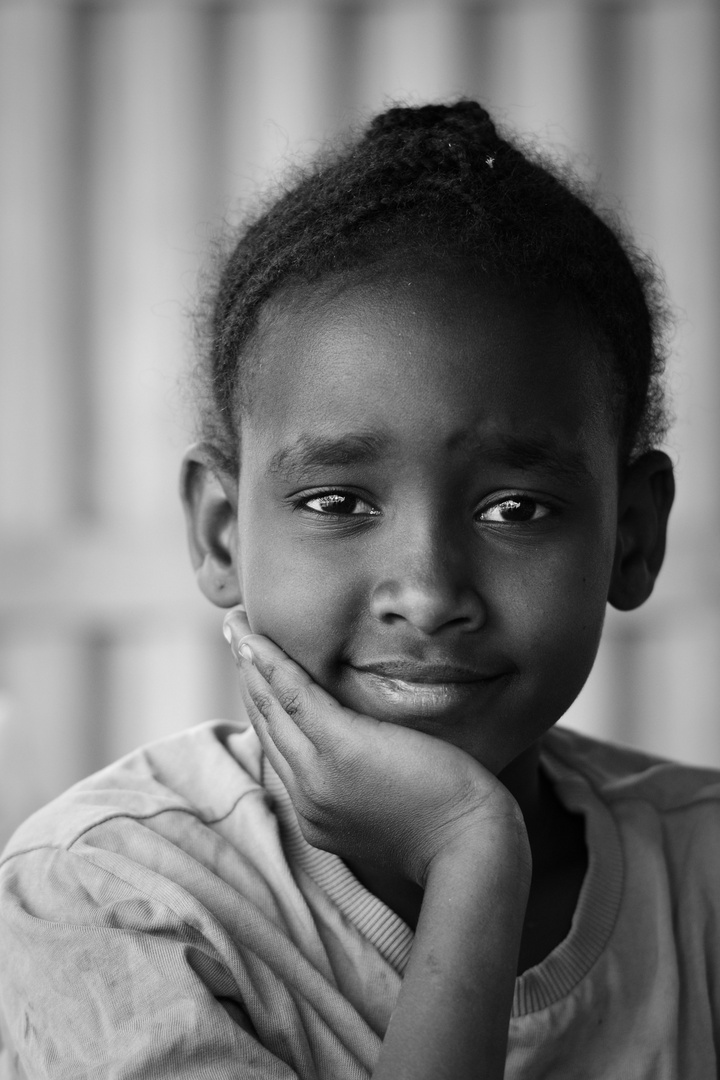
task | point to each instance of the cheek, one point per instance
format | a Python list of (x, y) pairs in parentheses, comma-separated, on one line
[(300, 603), (562, 625)]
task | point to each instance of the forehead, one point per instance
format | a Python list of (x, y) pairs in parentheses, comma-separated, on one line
[(426, 355)]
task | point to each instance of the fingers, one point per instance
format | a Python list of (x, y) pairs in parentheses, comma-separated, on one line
[(259, 721), (281, 682), (287, 678), (280, 698), (236, 625), (293, 705), (271, 721)]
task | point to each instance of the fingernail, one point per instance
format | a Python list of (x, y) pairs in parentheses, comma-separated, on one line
[(227, 633), (246, 651)]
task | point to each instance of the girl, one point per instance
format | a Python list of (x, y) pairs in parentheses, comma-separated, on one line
[(430, 405)]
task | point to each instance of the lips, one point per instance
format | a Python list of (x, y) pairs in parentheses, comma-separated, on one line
[(410, 671), (401, 689)]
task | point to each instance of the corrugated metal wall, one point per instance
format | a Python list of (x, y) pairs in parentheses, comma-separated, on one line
[(126, 130)]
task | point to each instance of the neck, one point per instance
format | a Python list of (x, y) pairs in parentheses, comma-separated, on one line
[(522, 778)]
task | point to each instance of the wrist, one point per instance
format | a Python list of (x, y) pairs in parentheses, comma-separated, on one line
[(488, 847)]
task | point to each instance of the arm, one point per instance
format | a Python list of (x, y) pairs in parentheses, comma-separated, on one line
[(382, 793), (101, 978), (452, 1015)]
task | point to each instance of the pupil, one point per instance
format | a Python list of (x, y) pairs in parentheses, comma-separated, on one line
[(516, 510), (336, 503)]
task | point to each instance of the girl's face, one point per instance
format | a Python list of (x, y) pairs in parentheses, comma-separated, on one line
[(427, 504)]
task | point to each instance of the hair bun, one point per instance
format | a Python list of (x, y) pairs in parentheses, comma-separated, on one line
[(464, 116)]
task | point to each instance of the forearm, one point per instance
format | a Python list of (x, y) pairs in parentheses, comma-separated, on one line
[(451, 1019), (427, 812)]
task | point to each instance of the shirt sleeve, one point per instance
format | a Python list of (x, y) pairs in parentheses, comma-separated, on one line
[(99, 980)]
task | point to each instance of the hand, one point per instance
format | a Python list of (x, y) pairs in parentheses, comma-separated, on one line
[(363, 788)]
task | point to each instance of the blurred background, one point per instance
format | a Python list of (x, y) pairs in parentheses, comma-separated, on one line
[(128, 131)]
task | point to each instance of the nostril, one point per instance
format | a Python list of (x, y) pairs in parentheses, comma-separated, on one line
[(428, 606)]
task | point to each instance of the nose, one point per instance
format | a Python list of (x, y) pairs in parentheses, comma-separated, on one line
[(427, 582)]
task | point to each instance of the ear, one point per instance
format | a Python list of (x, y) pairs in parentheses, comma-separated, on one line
[(209, 498), (646, 495)]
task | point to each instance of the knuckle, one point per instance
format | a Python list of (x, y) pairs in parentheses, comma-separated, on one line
[(269, 668), (323, 799), (294, 701), (317, 801), (263, 701), (317, 834)]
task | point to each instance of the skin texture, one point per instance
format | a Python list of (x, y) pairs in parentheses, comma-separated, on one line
[(423, 601), (435, 575)]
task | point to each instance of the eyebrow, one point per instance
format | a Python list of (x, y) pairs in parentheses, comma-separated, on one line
[(527, 453), (313, 451), (366, 448)]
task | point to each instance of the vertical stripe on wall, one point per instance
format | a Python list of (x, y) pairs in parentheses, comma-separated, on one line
[(128, 131)]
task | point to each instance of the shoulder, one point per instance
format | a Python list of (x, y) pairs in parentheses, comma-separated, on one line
[(619, 773), (653, 827), (144, 859), (152, 905), (203, 772), (655, 805)]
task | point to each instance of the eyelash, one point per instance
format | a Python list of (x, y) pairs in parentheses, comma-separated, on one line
[(519, 500), (338, 496)]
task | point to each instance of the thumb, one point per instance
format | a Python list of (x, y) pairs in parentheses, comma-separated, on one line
[(236, 626)]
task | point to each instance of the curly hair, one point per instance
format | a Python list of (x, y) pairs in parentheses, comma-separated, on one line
[(441, 180)]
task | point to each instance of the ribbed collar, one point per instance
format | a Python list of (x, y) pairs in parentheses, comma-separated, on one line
[(600, 895), (378, 923), (536, 988)]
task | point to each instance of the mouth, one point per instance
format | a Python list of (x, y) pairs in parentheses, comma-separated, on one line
[(412, 671), (408, 687)]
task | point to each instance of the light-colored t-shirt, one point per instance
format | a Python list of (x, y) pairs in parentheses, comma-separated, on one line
[(166, 918)]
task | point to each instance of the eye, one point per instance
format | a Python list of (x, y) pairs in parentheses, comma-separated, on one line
[(514, 510), (338, 504)]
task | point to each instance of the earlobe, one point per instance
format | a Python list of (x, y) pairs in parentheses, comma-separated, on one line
[(646, 496), (209, 498)]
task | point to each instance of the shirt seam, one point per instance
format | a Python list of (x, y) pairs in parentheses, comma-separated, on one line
[(116, 814)]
